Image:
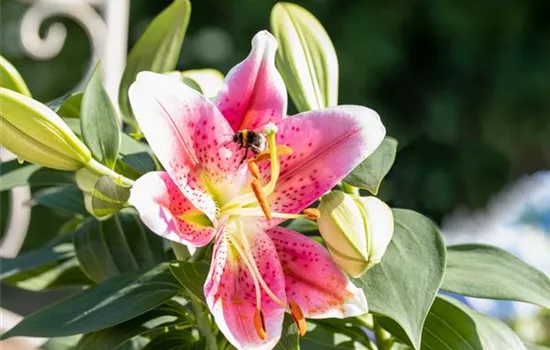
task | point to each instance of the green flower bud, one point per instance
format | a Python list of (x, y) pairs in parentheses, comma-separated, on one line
[(38, 135), (357, 230)]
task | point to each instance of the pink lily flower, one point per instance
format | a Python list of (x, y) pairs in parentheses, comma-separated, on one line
[(258, 270)]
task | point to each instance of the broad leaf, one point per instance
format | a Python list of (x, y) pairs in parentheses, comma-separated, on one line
[(484, 271), (157, 50), (177, 340), (290, 339), (192, 276), (403, 286), (305, 58), (108, 197), (68, 106), (324, 337), (11, 79), (452, 325), (208, 82), (104, 305), (115, 246), (68, 199), (99, 121), (370, 173), (57, 250), (13, 174), (164, 318)]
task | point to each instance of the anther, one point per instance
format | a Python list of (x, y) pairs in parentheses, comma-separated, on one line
[(282, 150), (298, 317), (260, 196), (312, 213), (253, 168), (259, 324)]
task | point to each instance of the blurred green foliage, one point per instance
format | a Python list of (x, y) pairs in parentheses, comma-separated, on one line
[(463, 85)]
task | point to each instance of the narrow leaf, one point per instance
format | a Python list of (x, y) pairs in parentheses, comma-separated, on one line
[(157, 50), (305, 58), (403, 286), (13, 174), (370, 173), (99, 121), (68, 199), (208, 82), (104, 305), (116, 246), (67, 106), (191, 275), (485, 271)]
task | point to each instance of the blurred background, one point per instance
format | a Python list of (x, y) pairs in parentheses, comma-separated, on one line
[(464, 86)]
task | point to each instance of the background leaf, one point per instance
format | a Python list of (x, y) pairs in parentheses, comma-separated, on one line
[(13, 174), (11, 79), (485, 271), (452, 325), (99, 121), (107, 304), (290, 339), (405, 283), (68, 105), (115, 246), (305, 58), (370, 173), (192, 276), (68, 199), (157, 50)]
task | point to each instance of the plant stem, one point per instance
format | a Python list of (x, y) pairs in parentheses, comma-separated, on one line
[(349, 189), (382, 338), (100, 169), (203, 323)]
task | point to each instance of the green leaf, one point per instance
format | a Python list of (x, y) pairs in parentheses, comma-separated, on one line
[(485, 271), (58, 249), (68, 106), (108, 197), (305, 58), (177, 340), (370, 173), (303, 226), (116, 246), (325, 337), (13, 174), (192, 276), (535, 347), (290, 339), (452, 325), (161, 319), (11, 79), (104, 305), (99, 121), (68, 199), (157, 50), (62, 343), (404, 284), (208, 82)]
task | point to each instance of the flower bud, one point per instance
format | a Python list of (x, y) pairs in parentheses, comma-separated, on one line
[(38, 135), (357, 230)]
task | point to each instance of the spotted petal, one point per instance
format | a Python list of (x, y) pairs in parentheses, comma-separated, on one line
[(254, 91), (312, 279), (162, 207), (230, 293), (190, 137), (327, 145)]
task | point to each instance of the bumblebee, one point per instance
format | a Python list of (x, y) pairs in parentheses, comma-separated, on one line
[(250, 140)]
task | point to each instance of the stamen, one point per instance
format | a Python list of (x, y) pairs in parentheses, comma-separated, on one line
[(248, 264), (298, 317), (253, 168), (282, 150), (312, 213), (259, 324), (260, 196)]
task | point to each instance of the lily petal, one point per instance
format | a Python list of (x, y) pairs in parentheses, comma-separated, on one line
[(162, 207), (313, 280), (231, 296), (190, 137), (254, 92), (327, 144)]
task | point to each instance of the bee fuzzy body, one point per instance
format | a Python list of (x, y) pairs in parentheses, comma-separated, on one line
[(250, 140)]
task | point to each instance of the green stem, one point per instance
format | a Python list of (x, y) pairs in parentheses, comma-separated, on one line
[(101, 170), (180, 251), (203, 323), (199, 254), (349, 189), (382, 338)]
